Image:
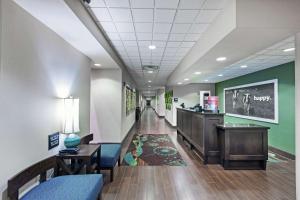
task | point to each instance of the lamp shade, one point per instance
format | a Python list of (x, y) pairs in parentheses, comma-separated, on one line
[(71, 115)]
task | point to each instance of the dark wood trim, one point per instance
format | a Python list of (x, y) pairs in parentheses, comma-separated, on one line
[(38, 169), (282, 153)]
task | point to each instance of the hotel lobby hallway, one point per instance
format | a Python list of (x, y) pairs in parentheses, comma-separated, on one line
[(196, 181)]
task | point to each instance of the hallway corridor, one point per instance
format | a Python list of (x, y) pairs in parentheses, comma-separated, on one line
[(196, 181)]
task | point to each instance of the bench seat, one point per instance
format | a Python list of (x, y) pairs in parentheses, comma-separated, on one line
[(75, 187)]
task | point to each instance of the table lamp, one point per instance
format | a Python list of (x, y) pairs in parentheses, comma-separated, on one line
[(71, 122)]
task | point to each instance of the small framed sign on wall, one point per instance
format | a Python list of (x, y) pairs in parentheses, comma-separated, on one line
[(256, 101)]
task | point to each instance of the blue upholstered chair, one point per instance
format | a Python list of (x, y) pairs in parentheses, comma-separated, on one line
[(73, 187), (110, 155)]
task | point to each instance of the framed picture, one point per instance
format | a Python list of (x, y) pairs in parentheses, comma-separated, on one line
[(256, 101)]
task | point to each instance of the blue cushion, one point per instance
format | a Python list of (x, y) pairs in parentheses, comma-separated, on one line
[(75, 187), (110, 154)]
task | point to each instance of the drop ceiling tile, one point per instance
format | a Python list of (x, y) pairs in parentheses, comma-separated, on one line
[(117, 3), (160, 36), (144, 44), (191, 4), (192, 37), (166, 4), (101, 14), (187, 44), (143, 27), (142, 15), (130, 43), (186, 16), (113, 36), (214, 4), (127, 36), (198, 28), (207, 16), (117, 43), (176, 37), (162, 28), (173, 44), (97, 3), (144, 36), (142, 3), (180, 28), (108, 26), (132, 49), (171, 49), (159, 44), (164, 15), (124, 27), (120, 14)]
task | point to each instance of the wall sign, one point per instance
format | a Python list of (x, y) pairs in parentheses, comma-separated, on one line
[(257, 101), (53, 140)]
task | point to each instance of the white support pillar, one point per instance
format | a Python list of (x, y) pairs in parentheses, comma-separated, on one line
[(297, 112)]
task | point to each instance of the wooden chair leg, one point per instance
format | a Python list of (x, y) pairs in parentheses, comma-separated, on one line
[(119, 161), (111, 174)]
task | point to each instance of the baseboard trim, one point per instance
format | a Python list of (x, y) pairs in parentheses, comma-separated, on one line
[(128, 133), (170, 123), (282, 153)]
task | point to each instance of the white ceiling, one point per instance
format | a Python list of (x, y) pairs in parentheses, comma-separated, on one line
[(269, 57), (67, 25), (173, 26)]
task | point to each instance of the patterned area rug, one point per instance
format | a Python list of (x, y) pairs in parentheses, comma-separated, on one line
[(152, 149)]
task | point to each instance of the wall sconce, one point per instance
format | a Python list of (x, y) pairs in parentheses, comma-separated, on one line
[(71, 122)]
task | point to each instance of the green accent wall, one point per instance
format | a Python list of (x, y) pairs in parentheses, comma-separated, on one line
[(281, 135)]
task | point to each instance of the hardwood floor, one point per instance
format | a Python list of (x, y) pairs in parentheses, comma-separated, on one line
[(196, 181)]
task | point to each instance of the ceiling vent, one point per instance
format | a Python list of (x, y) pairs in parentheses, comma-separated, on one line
[(150, 67)]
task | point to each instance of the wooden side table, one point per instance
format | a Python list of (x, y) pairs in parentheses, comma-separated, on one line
[(83, 158)]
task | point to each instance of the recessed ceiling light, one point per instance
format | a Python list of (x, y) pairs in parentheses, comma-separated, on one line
[(150, 72), (244, 66), (97, 65), (152, 47), (206, 80), (149, 86), (149, 81), (220, 59), (197, 73), (220, 75), (179, 83), (186, 79), (289, 49)]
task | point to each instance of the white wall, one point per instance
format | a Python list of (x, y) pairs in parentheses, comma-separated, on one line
[(160, 103), (127, 120), (187, 94), (106, 87), (38, 67)]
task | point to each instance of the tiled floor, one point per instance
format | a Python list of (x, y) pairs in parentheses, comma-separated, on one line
[(196, 181)]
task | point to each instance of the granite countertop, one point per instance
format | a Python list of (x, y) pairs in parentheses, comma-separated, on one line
[(241, 126)]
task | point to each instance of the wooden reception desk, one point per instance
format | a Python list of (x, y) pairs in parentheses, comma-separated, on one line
[(243, 146), (234, 146), (199, 129)]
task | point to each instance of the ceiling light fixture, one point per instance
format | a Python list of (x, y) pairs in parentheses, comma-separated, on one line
[(197, 73), (186, 79), (150, 72), (97, 65), (206, 80), (149, 81), (289, 49), (149, 86), (244, 66), (220, 75), (179, 83), (221, 59), (151, 47)]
